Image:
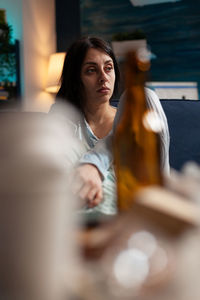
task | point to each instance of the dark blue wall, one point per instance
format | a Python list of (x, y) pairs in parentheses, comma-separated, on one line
[(172, 30)]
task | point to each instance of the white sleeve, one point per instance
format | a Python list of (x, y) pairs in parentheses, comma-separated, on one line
[(153, 103), (101, 155)]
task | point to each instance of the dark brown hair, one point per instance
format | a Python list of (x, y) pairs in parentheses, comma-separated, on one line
[(71, 89)]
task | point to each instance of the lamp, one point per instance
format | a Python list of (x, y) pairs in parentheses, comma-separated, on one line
[(55, 67)]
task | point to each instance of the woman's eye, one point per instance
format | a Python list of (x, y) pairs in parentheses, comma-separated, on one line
[(89, 71), (109, 68)]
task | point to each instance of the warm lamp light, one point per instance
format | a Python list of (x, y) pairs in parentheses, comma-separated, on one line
[(54, 71)]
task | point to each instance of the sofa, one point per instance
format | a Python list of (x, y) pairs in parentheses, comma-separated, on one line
[(184, 127)]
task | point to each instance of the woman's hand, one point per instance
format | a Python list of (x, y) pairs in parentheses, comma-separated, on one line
[(87, 184)]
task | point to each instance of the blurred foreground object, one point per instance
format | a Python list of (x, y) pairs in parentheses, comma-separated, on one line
[(187, 182), (136, 141), (37, 251), (149, 252)]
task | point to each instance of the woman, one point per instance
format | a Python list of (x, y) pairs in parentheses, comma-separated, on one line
[(90, 78)]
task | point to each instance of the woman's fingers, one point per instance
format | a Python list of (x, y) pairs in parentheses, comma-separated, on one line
[(97, 198), (87, 184), (94, 197)]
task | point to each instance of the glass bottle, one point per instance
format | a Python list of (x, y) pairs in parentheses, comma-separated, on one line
[(136, 142)]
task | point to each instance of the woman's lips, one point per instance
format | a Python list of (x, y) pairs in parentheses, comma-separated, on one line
[(103, 90)]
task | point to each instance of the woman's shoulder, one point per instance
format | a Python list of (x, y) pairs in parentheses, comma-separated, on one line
[(148, 92), (67, 115), (65, 110), (57, 107), (151, 94), (152, 99)]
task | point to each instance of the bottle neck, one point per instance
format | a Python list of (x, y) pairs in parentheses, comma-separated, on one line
[(135, 104), (135, 77)]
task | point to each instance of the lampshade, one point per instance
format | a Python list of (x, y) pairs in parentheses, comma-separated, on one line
[(54, 71)]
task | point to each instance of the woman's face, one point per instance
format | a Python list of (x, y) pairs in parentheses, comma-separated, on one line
[(97, 76)]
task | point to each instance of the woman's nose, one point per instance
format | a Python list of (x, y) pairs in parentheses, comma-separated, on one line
[(101, 80), (102, 77)]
